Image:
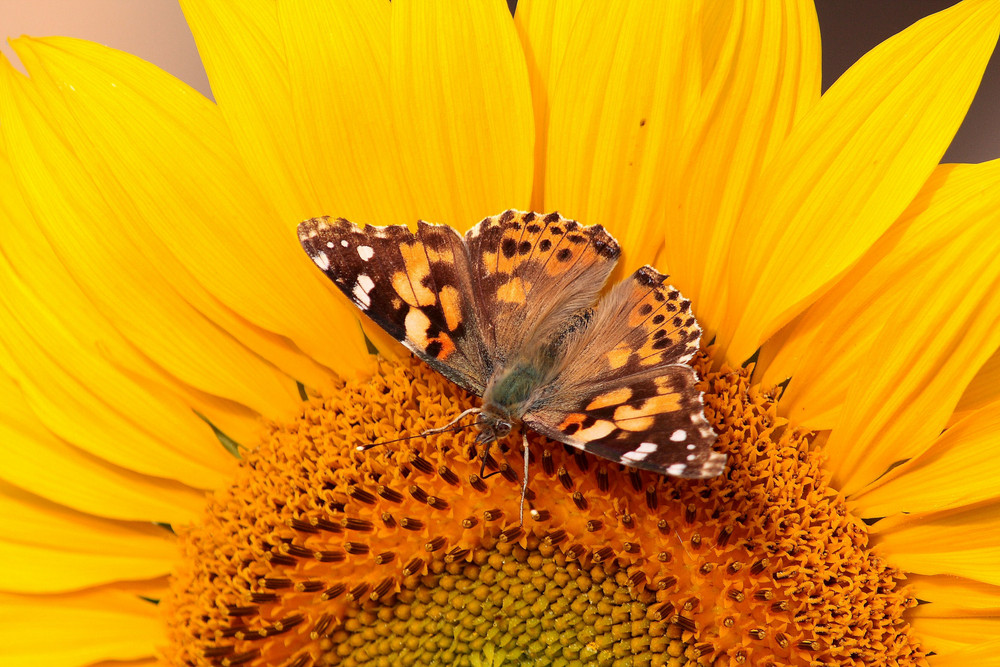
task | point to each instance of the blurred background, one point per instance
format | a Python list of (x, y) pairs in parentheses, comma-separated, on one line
[(155, 30)]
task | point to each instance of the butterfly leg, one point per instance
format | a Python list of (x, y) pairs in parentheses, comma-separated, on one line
[(482, 461), (524, 480)]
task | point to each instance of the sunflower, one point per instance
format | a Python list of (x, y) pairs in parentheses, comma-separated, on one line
[(182, 392)]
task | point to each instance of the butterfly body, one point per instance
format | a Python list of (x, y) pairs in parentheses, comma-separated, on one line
[(513, 312)]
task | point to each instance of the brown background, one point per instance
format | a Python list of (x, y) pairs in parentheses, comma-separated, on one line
[(155, 30)]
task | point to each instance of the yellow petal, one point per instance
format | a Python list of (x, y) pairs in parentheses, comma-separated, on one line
[(982, 390), (56, 345), (943, 328), (961, 642), (829, 350), (963, 542), (48, 292), (952, 596), (618, 115), (766, 77), (46, 548), (851, 167), (189, 203), (36, 459), (546, 31), (961, 468), (462, 106), (123, 282), (338, 77), (243, 51), (85, 400), (104, 624)]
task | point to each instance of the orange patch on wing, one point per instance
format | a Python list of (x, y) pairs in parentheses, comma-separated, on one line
[(451, 306), (571, 419), (513, 291), (598, 430), (651, 406), (447, 345), (614, 397), (417, 269), (649, 357), (446, 255), (640, 424), (489, 261), (664, 384), (401, 284), (418, 326), (619, 355)]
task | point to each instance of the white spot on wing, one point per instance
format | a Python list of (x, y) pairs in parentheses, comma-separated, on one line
[(365, 252), (329, 244), (633, 456), (362, 286), (322, 261), (647, 448), (680, 435), (344, 243), (677, 469), (361, 297)]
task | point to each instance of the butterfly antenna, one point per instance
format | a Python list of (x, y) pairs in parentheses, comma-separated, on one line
[(450, 426)]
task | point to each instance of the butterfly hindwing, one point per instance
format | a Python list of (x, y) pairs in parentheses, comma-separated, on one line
[(627, 392), (416, 286), (534, 272), (654, 420), (641, 323)]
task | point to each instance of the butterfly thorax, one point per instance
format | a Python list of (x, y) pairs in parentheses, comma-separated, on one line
[(513, 389), (508, 396)]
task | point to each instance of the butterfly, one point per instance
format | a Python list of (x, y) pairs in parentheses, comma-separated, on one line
[(513, 312)]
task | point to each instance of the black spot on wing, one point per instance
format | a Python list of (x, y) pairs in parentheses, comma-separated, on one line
[(508, 247)]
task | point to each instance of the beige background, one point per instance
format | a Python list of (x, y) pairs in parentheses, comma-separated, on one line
[(151, 29), (155, 30)]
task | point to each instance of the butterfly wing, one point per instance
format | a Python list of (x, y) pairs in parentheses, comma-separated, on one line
[(416, 286), (532, 273), (626, 391)]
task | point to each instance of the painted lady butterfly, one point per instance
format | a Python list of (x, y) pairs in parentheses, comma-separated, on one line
[(508, 313)]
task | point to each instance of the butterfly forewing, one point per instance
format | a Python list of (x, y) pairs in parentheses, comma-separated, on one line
[(415, 286), (534, 272)]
